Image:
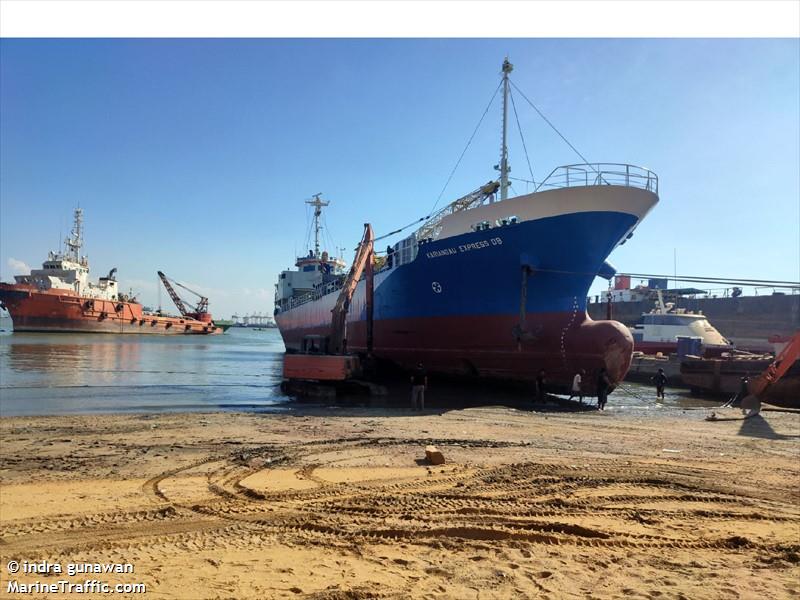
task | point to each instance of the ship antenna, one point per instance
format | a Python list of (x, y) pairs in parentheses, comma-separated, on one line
[(504, 168), (75, 241), (317, 203)]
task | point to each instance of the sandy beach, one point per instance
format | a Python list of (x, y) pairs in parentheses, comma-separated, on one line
[(341, 504)]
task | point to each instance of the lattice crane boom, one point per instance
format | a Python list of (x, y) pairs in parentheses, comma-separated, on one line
[(202, 304)]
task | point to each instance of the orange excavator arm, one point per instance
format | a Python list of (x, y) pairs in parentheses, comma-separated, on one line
[(778, 368), (362, 261)]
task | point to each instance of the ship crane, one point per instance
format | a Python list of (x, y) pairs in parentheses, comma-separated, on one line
[(200, 310)]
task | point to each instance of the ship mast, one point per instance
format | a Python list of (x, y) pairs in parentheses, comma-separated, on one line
[(317, 203), (75, 241), (504, 168)]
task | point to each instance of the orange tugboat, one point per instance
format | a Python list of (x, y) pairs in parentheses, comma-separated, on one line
[(60, 298)]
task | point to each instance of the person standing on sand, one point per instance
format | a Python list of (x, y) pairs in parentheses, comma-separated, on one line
[(541, 382), (576, 385), (660, 380), (603, 383), (419, 381)]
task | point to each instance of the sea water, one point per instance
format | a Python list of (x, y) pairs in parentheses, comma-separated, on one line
[(240, 370), (67, 373)]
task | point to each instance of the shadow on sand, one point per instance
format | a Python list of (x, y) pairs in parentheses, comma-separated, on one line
[(758, 426), (442, 396)]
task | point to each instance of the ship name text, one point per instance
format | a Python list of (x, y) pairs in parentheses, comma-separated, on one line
[(479, 245)]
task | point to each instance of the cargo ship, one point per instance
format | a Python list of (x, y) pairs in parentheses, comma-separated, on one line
[(489, 286), (60, 298)]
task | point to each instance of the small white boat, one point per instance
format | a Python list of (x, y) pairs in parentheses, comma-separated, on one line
[(659, 330)]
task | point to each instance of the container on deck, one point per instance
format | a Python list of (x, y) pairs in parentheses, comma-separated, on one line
[(689, 345)]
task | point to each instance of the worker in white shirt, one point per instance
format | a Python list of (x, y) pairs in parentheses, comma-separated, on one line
[(576, 386)]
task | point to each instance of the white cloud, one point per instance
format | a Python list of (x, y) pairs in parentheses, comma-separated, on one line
[(18, 267), (139, 284), (261, 293)]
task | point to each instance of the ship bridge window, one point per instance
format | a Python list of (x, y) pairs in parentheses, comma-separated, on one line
[(309, 268)]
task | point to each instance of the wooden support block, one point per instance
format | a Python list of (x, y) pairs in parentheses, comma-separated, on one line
[(433, 455)]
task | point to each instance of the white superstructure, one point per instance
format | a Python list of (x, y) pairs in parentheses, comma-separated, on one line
[(317, 273), (664, 324), (70, 271)]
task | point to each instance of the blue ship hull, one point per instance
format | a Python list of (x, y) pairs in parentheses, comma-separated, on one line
[(502, 302)]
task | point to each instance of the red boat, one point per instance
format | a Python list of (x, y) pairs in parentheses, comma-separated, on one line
[(60, 298)]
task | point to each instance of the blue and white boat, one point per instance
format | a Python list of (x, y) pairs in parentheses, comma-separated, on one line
[(490, 286)]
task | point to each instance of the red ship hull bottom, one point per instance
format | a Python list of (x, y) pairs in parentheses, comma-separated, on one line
[(486, 346), (62, 311)]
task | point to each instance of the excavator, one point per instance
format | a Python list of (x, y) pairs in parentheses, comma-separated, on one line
[(333, 363), (759, 385), (200, 310)]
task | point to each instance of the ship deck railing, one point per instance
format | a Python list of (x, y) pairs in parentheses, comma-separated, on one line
[(318, 293), (586, 174)]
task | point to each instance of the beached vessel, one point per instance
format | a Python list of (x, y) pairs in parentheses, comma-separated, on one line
[(60, 298), (491, 285)]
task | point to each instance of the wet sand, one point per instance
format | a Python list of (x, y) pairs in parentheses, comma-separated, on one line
[(339, 503)]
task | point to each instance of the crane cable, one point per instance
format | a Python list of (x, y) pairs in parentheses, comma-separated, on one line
[(702, 279), (469, 142), (546, 120), (522, 137), (450, 177), (689, 278), (184, 287), (458, 162), (632, 393), (391, 233)]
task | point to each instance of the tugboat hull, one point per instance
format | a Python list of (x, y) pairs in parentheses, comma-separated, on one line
[(60, 311)]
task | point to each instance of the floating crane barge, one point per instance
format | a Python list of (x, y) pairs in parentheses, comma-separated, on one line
[(59, 298)]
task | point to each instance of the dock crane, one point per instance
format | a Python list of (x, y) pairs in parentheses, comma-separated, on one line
[(200, 310), (335, 364)]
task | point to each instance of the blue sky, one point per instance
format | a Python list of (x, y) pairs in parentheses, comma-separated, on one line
[(195, 156)]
